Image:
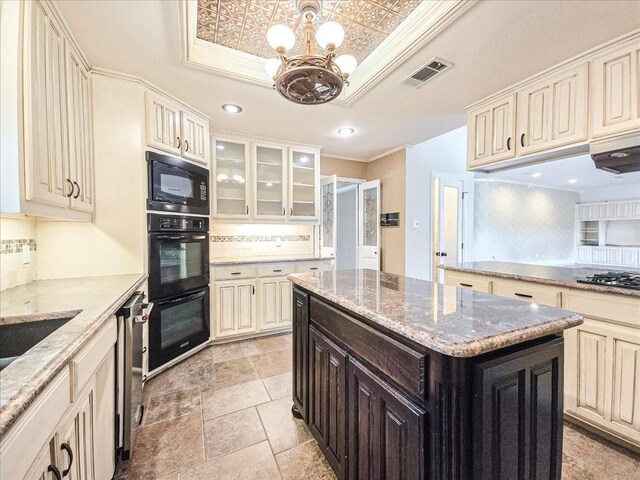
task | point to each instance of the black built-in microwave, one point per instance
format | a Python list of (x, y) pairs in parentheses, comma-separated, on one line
[(176, 185)]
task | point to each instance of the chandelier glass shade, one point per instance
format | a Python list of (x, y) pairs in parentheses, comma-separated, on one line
[(309, 78)]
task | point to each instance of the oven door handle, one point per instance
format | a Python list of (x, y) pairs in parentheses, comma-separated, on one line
[(181, 237), (182, 299)]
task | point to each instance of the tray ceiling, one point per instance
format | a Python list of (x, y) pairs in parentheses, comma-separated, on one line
[(243, 24)]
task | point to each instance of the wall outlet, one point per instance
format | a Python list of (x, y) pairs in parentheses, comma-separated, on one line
[(416, 224), (26, 254)]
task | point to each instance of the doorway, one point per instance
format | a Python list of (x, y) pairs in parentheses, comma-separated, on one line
[(448, 222)]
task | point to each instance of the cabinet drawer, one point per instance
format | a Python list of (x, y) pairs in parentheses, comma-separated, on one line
[(232, 273), (529, 292), (478, 283), (402, 364), (322, 266), (615, 308), (90, 357), (275, 270)]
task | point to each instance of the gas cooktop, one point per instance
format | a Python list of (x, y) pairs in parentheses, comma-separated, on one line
[(614, 279)]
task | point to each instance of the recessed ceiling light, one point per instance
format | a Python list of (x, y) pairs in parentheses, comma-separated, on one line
[(220, 146), (231, 108), (345, 132), (304, 159), (536, 174), (573, 180)]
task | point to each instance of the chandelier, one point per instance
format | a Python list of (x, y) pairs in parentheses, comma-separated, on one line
[(309, 78)]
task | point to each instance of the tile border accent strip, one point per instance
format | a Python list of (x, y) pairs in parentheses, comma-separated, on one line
[(15, 245), (260, 238)]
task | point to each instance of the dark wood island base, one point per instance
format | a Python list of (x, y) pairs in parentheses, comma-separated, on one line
[(382, 406)]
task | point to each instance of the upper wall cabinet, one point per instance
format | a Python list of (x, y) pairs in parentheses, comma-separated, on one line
[(558, 112), (176, 130), (553, 112), (615, 90), (265, 181), (491, 131), (56, 112)]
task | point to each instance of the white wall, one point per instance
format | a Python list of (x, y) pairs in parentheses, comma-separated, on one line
[(610, 194), (446, 153), (522, 223)]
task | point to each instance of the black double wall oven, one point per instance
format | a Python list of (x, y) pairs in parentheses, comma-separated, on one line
[(178, 258)]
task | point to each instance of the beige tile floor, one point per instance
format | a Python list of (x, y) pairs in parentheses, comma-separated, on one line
[(225, 414)]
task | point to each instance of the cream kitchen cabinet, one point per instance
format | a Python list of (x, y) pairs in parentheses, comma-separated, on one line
[(174, 129), (553, 112), (44, 467), (235, 307), (492, 131), (258, 180), (615, 92), (274, 303), (469, 281), (58, 149)]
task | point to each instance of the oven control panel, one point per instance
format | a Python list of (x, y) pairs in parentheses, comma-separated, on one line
[(177, 223)]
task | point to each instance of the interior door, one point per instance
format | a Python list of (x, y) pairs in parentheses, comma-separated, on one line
[(328, 216), (448, 232), (369, 225), (347, 228)]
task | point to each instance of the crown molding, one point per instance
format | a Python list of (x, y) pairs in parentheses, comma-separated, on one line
[(424, 23), (342, 157), (388, 152)]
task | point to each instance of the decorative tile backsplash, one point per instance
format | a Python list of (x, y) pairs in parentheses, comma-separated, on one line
[(246, 240), (15, 233), (260, 238), (15, 246)]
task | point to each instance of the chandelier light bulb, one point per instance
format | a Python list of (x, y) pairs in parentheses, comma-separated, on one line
[(347, 63), (271, 66), (281, 37), (330, 33)]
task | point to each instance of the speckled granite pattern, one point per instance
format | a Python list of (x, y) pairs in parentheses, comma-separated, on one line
[(93, 299), (453, 321), (223, 261), (566, 276)]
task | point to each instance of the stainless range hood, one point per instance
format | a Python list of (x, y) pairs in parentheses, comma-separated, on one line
[(617, 155)]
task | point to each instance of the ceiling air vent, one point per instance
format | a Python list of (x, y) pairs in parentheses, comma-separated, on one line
[(430, 70)]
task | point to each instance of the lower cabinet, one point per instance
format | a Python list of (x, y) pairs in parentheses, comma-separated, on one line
[(517, 408), (327, 398), (386, 430), (274, 303), (300, 349), (235, 307)]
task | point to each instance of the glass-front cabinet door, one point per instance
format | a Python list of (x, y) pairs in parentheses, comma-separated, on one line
[(231, 170), (303, 184), (270, 182)]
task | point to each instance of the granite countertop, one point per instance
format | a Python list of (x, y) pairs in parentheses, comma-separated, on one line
[(563, 276), (91, 300), (229, 261), (453, 321)]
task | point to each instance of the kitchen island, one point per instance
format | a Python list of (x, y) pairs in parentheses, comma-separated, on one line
[(402, 378)]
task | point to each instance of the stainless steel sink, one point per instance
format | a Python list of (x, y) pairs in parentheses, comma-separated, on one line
[(17, 338)]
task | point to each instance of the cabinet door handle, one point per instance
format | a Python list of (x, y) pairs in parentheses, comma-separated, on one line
[(253, 289), (67, 448), (277, 271), (56, 473), (178, 142), (186, 145), (313, 268), (247, 209), (291, 211), (509, 143), (236, 273), (77, 194), (522, 139), (523, 295), (70, 183), (466, 285), (284, 211)]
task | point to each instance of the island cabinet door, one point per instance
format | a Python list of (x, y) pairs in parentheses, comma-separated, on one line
[(386, 430), (518, 411), (327, 398), (300, 339)]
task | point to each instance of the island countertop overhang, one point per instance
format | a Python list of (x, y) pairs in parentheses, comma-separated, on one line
[(449, 320)]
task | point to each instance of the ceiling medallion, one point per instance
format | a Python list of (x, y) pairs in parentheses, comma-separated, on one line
[(309, 78)]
